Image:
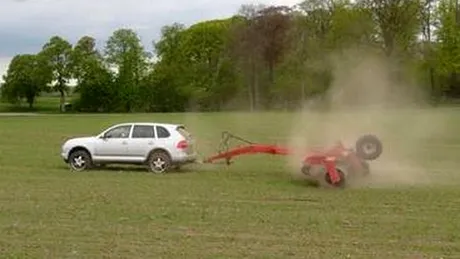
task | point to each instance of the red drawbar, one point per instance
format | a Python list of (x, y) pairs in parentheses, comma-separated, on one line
[(250, 149)]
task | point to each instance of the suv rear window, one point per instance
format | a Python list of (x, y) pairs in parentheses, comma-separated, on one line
[(162, 132)]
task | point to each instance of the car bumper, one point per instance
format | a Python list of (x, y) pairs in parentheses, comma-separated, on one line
[(65, 157), (186, 158)]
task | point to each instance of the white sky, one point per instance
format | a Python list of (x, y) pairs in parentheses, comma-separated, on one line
[(25, 25)]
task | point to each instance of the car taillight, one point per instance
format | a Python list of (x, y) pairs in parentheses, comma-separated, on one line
[(183, 144)]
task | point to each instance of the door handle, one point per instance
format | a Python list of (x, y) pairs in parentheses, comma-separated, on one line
[(124, 142), (150, 142)]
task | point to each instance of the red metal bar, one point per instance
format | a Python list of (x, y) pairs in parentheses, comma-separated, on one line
[(329, 163), (250, 149), (313, 157)]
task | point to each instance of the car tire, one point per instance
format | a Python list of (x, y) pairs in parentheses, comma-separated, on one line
[(80, 160), (159, 162)]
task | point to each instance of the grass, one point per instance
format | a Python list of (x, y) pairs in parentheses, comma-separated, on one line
[(47, 103), (255, 208)]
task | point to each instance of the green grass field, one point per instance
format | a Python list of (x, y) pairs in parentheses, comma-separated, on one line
[(47, 103), (256, 208)]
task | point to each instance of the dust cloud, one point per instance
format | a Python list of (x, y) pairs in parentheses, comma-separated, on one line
[(364, 98), (368, 95)]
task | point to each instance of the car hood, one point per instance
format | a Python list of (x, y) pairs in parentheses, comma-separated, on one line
[(80, 140)]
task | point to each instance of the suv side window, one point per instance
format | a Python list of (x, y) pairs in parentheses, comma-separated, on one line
[(162, 132), (143, 131), (119, 132)]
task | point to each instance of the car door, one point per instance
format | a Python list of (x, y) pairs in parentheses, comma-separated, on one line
[(142, 141), (114, 143)]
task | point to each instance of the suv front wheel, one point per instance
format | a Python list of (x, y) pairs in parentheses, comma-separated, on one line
[(159, 162), (80, 160)]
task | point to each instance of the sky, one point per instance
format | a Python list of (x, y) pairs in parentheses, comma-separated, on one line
[(25, 25)]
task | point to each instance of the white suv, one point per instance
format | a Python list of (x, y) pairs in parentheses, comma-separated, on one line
[(157, 145)]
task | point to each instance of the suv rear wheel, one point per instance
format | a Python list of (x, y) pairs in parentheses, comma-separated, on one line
[(159, 162)]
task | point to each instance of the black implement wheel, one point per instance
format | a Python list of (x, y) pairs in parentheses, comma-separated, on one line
[(159, 162), (306, 169), (368, 147), (80, 160)]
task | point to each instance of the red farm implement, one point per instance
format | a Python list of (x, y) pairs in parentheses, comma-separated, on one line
[(337, 161)]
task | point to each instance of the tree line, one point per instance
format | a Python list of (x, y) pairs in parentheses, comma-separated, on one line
[(263, 57)]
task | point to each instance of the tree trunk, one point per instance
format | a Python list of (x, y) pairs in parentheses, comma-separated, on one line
[(256, 92), (30, 100), (432, 84), (62, 100), (251, 86), (302, 97), (251, 97), (271, 81)]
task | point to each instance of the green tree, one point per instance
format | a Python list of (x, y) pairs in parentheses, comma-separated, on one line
[(83, 57), (166, 49), (160, 92), (96, 90), (94, 80), (210, 71), (448, 49), (397, 24), (194, 67), (351, 26), (57, 52), (166, 88), (26, 78), (247, 54), (260, 45), (125, 53), (314, 34)]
